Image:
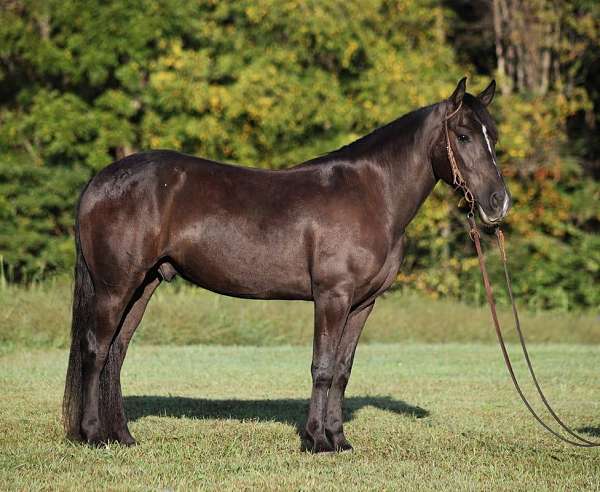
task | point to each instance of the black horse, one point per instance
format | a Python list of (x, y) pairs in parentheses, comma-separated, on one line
[(330, 230)]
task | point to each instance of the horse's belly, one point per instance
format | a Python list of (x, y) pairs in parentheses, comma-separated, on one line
[(239, 266)]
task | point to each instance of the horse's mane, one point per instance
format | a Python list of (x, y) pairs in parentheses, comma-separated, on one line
[(379, 138), (382, 137)]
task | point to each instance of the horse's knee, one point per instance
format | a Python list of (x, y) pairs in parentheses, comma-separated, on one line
[(322, 376), (341, 381)]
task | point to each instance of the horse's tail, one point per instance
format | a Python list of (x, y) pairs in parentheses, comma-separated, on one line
[(83, 307)]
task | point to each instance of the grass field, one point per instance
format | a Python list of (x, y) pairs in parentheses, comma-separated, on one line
[(38, 316), (217, 391), (421, 417)]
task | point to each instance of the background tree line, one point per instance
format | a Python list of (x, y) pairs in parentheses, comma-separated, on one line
[(275, 82)]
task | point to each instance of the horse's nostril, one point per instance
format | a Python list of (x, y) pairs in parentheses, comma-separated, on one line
[(497, 200)]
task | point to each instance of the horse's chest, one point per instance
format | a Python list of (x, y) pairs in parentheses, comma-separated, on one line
[(380, 276)]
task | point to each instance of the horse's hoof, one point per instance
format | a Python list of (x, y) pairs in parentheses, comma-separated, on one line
[(90, 433), (343, 446), (321, 446), (124, 438), (126, 441), (339, 441), (93, 438), (95, 441)]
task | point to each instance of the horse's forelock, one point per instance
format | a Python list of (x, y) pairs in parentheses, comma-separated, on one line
[(482, 115)]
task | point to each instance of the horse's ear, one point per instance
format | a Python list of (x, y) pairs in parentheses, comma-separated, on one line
[(458, 94), (487, 94)]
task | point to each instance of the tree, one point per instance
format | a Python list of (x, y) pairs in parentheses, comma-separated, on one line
[(275, 82)]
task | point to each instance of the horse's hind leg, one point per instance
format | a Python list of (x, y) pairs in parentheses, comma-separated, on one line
[(343, 365), (134, 314), (109, 306), (331, 311), (131, 321)]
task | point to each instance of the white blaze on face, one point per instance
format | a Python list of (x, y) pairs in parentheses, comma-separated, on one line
[(489, 145), (506, 203)]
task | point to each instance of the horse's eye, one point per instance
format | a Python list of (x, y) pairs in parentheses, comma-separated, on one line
[(463, 138)]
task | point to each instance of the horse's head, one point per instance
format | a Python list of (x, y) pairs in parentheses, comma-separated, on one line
[(471, 136)]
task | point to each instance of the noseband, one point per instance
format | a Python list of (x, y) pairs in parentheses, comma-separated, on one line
[(475, 235)]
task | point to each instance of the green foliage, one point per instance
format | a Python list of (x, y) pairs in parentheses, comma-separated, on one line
[(268, 84)]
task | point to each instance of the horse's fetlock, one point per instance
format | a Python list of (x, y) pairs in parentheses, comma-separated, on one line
[(89, 422), (334, 424), (313, 427)]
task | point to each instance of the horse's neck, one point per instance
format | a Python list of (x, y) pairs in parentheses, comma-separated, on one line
[(409, 175)]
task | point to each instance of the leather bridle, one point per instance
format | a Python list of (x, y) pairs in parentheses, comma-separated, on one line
[(475, 236), (457, 178)]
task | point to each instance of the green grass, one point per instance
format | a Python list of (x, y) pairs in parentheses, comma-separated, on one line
[(39, 316), (421, 417)]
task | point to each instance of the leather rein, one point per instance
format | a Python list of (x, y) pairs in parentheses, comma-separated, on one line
[(459, 182)]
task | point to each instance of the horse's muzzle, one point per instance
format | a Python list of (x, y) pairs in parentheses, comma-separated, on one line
[(500, 208)]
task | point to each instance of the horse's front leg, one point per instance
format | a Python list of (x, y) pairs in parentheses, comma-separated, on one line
[(343, 366), (331, 311)]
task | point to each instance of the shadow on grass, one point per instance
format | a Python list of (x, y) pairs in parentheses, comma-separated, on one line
[(287, 411), (590, 431)]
